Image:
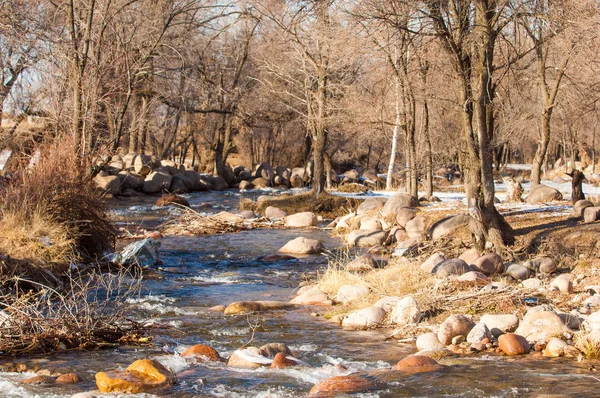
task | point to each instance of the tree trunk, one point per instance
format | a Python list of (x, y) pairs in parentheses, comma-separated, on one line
[(394, 149), (576, 184)]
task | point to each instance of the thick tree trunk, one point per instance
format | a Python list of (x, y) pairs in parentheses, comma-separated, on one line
[(542, 148), (576, 185)]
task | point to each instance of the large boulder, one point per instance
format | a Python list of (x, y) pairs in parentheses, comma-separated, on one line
[(406, 312), (370, 205), (469, 256), (302, 245), (448, 225), (579, 207), (489, 264), (366, 238), (417, 364), (415, 227), (398, 201), (365, 318), (311, 296), (429, 341), (518, 271), (142, 165), (454, 325), (144, 375), (249, 357), (370, 224), (453, 266), (500, 323), (404, 215), (181, 184), (110, 184), (301, 220), (542, 193), (260, 182), (479, 332), (296, 181), (157, 181), (131, 181), (197, 183), (265, 170), (283, 172), (539, 326)]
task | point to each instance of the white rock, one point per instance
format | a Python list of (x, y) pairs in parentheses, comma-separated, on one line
[(365, 318), (348, 293), (540, 326), (429, 341), (499, 324), (406, 312)]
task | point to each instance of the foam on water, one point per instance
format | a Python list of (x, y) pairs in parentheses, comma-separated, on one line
[(231, 331), (222, 390), (174, 363), (163, 309)]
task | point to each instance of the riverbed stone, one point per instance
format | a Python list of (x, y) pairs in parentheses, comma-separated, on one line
[(513, 344), (336, 385), (500, 323), (311, 296), (281, 362), (541, 264), (415, 227), (428, 341), (144, 375), (453, 326), (398, 201), (406, 312), (469, 256), (363, 263), (348, 293), (202, 352), (302, 245), (249, 357), (489, 264), (433, 260), (172, 199), (370, 224), (274, 212), (448, 225), (245, 307), (270, 350), (591, 214), (593, 321), (479, 332), (39, 380), (563, 283), (532, 283), (542, 193), (301, 220), (370, 205), (453, 266), (555, 348), (579, 207), (365, 318), (417, 364), (517, 271), (474, 277), (404, 215), (366, 238), (67, 379), (539, 326), (157, 181), (109, 184)]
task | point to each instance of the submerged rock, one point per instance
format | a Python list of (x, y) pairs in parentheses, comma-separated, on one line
[(144, 375), (244, 307), (172, 199), (417, 364), (250, 357), (341, 384), (143, 252)]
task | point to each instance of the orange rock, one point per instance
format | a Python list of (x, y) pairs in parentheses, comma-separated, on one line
[(141, 376), (170, 199), (153, 235), (67, 378), (280, 361), (513, 344), (39, 380), (339, 384), (202, 351), (417, 364)]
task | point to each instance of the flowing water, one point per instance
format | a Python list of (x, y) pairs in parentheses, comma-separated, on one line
[(204, 271)]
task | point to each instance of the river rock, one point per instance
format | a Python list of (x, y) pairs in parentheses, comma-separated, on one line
[(543, 193), (513, 344), (245, 185), (555, 348), (572, 321), (453, 326), (593, 321), (517, 271), (250, 358), (311, 296), (144, 375), (259, 183), (448, 225), (171, 199), (370, 205), (563, 283), (579, 207), (406, 312), (432, 261), (363, 263), (202, 352), (489, 264), (591, 214), (473, 276), (142, 165), (336, 385), (143, 252), (302, 245), (244, 307), (398, 201), (417, 364), (131, 181), (280, 362), (500, 323), (274, 212), (404, 215), (415, 227), (479, 332), (67, 379), (453, 266), (429, 341), (365, 318), (270, 350), (545, 265), (539, 326), (108, 184), (301, 220), (470, 256), (531, 283), (157, 181), (349, 293), (265, 170), (39, 380), (366, 238)]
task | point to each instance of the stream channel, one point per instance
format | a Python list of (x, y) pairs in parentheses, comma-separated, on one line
[(210, 270)]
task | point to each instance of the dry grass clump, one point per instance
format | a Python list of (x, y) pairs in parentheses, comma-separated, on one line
[(329, 206), (352, 187), (51, 212), (89, 312), (589, 347)]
